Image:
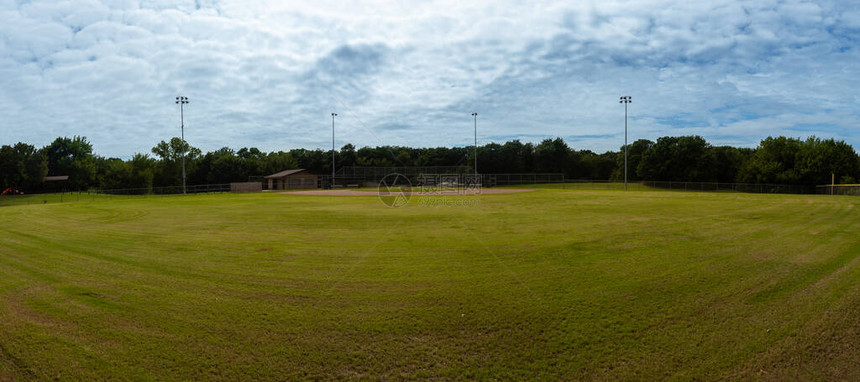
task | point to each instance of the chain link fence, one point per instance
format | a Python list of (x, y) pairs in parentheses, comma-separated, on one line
[(372, 179), (839, 189), (691, 186), (730, 187), (99, 195), (493, 180), (487, 180), (172, 190), (59, 197)]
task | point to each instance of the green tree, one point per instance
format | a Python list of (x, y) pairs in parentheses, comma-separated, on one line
[(137, 173), (113, 173), (142, 171), (316, 161), (490, 159), (597, 166), (169, 169), (551, 156), (774, 161), (279, 161), (253, 162), (226, 167), (22, 166), (635, 151), (818, 159), (686, 158), (72, 157), (728, 162), (348, 156), (512, 157), (380, 156)]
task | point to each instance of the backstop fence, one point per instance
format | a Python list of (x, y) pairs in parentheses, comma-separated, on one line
[(358, 177), (421, 175), (378, 173), (492, 180)]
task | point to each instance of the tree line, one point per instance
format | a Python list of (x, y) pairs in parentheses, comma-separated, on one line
[(777, 160)]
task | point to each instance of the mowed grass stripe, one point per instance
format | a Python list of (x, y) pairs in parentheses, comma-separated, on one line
[(628, 285)]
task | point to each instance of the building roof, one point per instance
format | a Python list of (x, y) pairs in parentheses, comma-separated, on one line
[(285, 173), (56, 178)]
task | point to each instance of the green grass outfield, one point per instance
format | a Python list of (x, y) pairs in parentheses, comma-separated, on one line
[(553, 284)]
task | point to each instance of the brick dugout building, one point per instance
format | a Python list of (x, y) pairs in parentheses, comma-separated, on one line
[(299, 179)]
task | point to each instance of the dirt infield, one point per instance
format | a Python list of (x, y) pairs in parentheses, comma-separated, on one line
[(432, 193)]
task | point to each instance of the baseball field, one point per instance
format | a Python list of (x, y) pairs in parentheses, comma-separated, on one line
[(554, 284)]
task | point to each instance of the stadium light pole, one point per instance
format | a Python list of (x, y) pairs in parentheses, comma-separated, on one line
[(475, 116), (332, 148), (625, 100), (182, 101)]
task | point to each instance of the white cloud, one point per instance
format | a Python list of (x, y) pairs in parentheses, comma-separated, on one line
[(268, 73)]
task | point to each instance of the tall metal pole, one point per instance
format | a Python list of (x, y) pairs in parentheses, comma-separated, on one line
[(475, 115), (332, 148), (182, 101), (625, 100)]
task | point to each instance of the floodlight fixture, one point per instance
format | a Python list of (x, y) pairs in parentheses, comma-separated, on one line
[(625, 100), (475, 116), (181, 101), (332, 148)]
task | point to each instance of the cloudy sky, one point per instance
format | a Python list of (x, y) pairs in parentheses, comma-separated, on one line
[(268, 74)]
